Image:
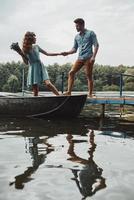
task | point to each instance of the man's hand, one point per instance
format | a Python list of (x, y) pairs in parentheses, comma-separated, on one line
[(92, 59)]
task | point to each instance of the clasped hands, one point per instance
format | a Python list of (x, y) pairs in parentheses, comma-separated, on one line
[(63, 53)]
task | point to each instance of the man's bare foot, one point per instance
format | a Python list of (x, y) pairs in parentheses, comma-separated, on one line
[(67, 93), (92, 96)]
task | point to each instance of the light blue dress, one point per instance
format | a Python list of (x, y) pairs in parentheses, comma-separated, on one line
[(37, 72)]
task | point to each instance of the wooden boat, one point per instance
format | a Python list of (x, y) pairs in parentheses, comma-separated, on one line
[(41, 106)]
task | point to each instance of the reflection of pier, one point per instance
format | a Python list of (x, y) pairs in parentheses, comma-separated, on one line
[(88, 180)]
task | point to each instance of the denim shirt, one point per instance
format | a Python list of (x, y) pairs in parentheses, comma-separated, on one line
[(85, 42)]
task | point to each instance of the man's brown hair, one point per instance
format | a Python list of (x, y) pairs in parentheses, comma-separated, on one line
[(79, 21)]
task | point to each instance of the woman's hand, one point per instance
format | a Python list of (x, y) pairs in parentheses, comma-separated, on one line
[(15, 47)]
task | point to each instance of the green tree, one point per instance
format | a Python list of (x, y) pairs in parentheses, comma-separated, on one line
[(4, 74), (105, 77), (12, 84), (129, 86), (111, 88), (130, 73)]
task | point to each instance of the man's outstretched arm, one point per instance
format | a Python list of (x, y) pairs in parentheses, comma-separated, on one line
[(72, 51)]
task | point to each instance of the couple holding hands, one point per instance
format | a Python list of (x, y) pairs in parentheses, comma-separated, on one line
[(85, 40)]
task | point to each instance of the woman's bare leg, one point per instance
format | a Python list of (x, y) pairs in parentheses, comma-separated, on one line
[(51, 87), (35, 89)]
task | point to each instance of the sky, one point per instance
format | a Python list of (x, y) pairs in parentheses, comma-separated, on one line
[(52, 21)]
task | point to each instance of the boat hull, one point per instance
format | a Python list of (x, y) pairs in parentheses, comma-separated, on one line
[(42, 106)]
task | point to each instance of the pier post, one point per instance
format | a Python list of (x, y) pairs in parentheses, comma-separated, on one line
[(23, 81), (121, 84), (103, 111), (62, 82)]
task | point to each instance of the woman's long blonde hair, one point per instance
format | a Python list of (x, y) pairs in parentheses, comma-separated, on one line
[(29, 39)]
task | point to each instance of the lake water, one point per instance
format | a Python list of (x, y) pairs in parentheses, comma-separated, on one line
[(66, 160)]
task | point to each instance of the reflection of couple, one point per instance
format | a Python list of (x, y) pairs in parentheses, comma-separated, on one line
[(37, 72), (37, 159), (89, 180)]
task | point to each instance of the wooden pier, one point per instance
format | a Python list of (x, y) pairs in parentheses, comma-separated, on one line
[(110, 100)]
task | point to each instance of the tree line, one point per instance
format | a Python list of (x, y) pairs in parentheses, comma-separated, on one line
[(106, 77)]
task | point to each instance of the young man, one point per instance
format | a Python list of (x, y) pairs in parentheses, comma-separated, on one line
[(85, 40)]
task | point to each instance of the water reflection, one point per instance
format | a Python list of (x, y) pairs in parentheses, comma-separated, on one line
[(38, 127), (71, 147), (88, 180), (37, 160)]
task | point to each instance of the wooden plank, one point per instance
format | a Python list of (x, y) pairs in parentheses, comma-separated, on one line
[(111, 100)]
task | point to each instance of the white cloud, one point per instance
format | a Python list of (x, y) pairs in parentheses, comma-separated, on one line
[(52, 21)]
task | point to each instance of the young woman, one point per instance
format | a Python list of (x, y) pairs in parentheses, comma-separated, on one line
[(37, 72)]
